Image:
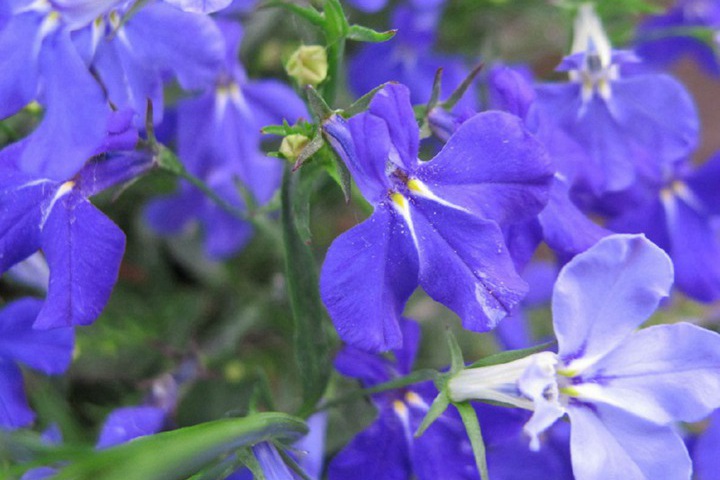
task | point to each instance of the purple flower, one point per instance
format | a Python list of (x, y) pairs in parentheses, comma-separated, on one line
[(83, 247), (219, 141), (564, 227), (678, 216), (660, 41), (621, 388), (387, 449), (128, 423), (629, 126), (132, 58), (48, 351), (435, 223), (309, 451), (40, 62)]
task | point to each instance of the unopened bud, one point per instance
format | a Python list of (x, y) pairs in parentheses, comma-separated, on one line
[(308, 65), (292, 145)]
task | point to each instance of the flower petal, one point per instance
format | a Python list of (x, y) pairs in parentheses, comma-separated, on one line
[(18, 82), (465, 265), (83, 249), (21, 199), (49, 351), (662, 373), (369, 273), (392, 104), (605, 293), (125, 424), (380, 451), (611, 444), (14, 409), (363, 144), (75, 121), (493, 167)]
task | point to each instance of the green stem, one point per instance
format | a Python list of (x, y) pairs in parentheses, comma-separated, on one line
[(336, 52)]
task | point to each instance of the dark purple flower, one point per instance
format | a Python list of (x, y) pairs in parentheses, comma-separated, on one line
[(629, 126), (678, 216), (664, 39), (387, 448), (133, 58), (40, 62), (435, 223), (48, 351), (83, 247), (219, 141)]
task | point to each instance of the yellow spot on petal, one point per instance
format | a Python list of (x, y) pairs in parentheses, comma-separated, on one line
[(416, 186), (65, 188), (400, 408), (414, 399), (570, 391), (400, 201)]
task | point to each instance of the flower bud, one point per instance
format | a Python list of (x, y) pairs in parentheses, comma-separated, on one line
[(308, 65), (292, 145)]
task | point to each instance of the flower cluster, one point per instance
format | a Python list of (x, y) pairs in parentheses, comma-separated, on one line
[(172, 222)]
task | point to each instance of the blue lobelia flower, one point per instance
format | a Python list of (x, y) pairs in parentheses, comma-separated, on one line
[(435, 223), (133, 55), (48, 351), (387, 449), (660, 39), (565, 228), (219, 141), (408, 59), (678, 216), (40, 62), (629, 125), (83, 247), (621, 388)]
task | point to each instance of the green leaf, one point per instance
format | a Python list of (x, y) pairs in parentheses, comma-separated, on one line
[(281, 130), (180, 453), (309, 14), (462, 88), (511, 355), (310, 339), (365, 34), (318, 106), (336, 24), (310, 149), (456, 357), (472, 427), (362, 103), (438, 407)]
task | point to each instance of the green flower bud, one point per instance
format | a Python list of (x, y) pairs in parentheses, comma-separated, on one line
[(292, 145), (308, 65)]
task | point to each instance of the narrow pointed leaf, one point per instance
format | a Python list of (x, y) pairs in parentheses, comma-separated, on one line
[(180, 453), (472, 426), (311, 341), (438, 407), (365, 34)]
